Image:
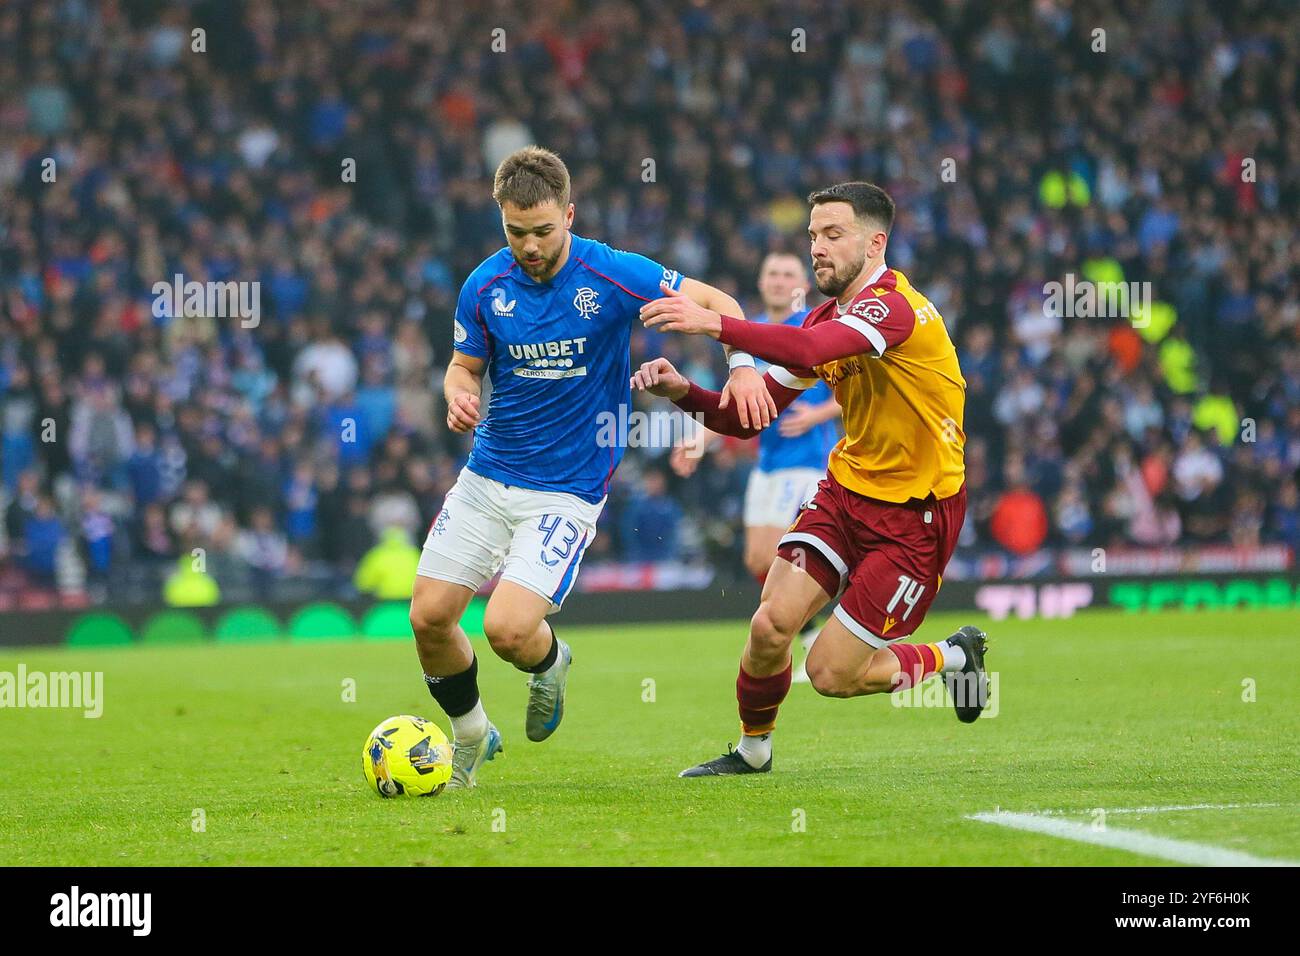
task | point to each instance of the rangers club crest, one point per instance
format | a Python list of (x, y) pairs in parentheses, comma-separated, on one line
[(585, 302)]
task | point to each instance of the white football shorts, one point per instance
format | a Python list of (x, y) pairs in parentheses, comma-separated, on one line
[(536, 538), (773, 498)]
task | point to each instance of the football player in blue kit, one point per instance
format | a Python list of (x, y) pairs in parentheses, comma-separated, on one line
[(549, 318)]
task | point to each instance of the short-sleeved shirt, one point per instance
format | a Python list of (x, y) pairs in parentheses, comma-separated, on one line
[(558, 356), (902, 399)]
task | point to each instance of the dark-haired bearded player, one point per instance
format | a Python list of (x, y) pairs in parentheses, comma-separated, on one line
[(885, 520)]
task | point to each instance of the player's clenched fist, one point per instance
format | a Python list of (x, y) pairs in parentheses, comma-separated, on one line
[(462, 413), (658, 377)]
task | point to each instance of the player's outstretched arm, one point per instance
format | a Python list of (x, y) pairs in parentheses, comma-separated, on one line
[(697, 308), (659, 377), (796, 346), (789, 345), (705, 296), (463, 388)]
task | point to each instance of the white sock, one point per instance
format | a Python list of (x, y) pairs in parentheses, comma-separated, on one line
[(954, 658), (471, 727), (755, 750)]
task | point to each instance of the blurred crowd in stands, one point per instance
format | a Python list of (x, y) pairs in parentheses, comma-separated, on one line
[(1021, 145)]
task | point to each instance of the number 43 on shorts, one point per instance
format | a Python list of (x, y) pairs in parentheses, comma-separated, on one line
[(549, 525)]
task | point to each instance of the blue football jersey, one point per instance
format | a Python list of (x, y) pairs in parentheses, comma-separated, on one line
[(813, 447), (558, 356)]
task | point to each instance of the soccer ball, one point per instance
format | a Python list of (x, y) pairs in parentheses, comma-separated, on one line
[(406, 754)]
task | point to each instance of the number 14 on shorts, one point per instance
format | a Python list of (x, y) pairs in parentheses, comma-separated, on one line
[(909, 592)]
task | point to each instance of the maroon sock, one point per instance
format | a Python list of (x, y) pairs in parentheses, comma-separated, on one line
[(759, 698), (916, 662)]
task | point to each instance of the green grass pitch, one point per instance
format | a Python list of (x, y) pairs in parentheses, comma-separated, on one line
[(258, 744)]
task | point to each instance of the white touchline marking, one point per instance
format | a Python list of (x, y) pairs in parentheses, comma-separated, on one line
[(1169, 809), (1133, 841)]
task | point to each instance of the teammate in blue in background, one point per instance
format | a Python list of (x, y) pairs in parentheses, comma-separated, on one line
[(550, 318), (792, 456)]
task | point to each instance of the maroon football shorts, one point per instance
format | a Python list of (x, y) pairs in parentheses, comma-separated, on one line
[(882, 558)]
